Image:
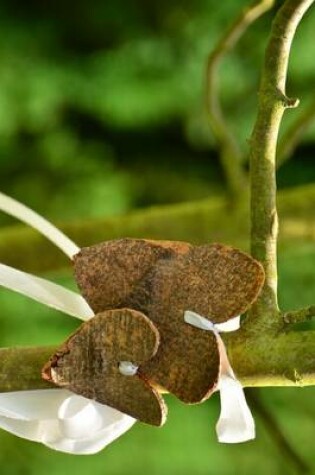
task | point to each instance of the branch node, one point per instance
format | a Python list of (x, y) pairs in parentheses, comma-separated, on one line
[(288, 102)]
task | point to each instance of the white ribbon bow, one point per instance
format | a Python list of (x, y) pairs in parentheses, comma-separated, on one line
[(236, 423)]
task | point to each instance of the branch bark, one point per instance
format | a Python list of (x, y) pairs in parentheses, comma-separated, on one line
[(272, 103), (229, 149), (286, 359), (20, 368), (299, 316)]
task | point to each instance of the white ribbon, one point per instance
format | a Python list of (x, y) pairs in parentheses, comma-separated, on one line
[(62, 420), (45, 292), (28, 216), (236, 423)]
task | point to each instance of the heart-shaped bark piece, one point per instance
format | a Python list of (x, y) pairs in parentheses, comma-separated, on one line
[(216, 281), (88, 363), (108, 273)]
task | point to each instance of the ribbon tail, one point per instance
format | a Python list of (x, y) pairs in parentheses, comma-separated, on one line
[(45, 292), (236, 423)]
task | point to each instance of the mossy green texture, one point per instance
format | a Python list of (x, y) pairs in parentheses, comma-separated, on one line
[(20, 369)]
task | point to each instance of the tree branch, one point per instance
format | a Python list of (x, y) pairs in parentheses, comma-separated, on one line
[(299, 316), (286, 359), (272, 103), (229, 149), (20, 368)]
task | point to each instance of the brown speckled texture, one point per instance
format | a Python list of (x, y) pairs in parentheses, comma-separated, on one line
[(87, 364), (108, 272), (187, 362), (164, 279)]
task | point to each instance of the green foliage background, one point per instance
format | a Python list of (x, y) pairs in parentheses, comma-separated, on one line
[(102, 112)]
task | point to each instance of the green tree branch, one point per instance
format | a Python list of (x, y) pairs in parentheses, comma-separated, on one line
[(286, 359), (272, 104), (299, 316)]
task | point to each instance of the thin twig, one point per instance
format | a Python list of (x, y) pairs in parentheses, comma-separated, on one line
[(272, 103), (230, 152), (299, 316), (287, 450), (293, 135)]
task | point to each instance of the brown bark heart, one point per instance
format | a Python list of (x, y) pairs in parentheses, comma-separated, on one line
[(88, 364)]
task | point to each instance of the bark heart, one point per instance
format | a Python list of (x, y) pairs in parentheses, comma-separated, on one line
[(88, 363)]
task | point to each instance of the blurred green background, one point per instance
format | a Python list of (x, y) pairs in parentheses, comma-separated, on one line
[(102, 114)]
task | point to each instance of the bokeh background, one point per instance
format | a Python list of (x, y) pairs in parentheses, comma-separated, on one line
[(103, 127)]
